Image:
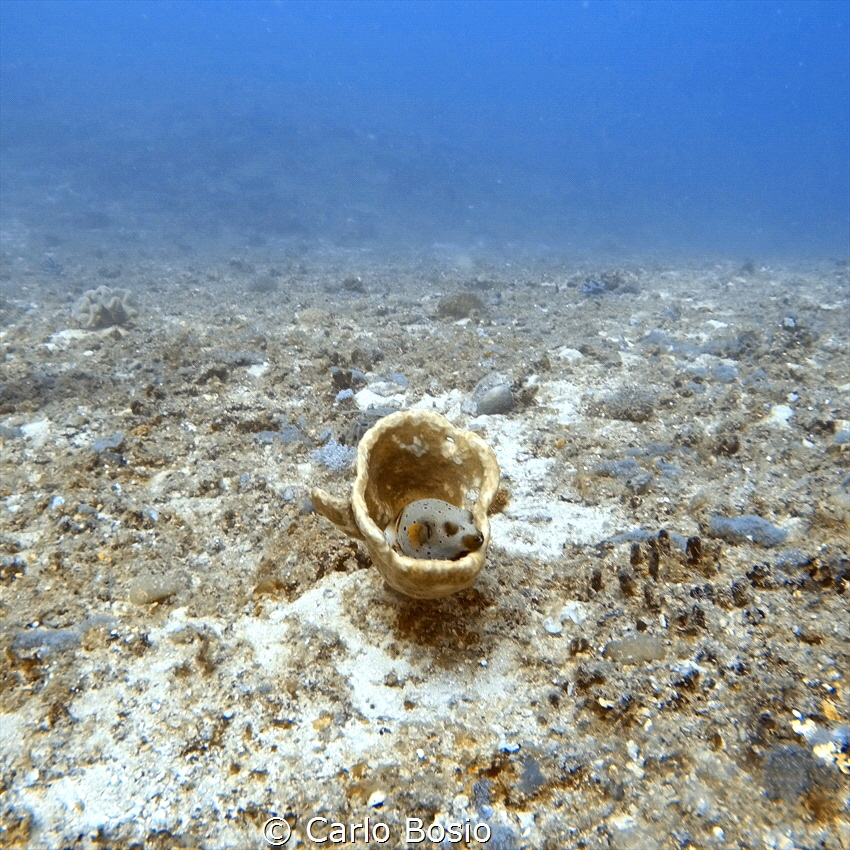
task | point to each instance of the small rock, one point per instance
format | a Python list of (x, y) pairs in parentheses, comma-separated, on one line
[(376, 799), (7, 433), (635, 649), (497, 400), (287, 434), (779, 416), (43, 642), (459, 306), (36, 431), (492, 395), (593, 286), (460, 803), (791, 560), (571, 355), (147, 589), (105, 443), (746, 528), (531, 778), (553, 625)]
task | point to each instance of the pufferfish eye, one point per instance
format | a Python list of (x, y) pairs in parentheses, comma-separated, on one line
[(419, 533)]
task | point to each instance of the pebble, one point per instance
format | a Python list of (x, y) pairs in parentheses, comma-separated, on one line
[(791, 559), (497, 400), (492, 395), (618, 468), (147, 589), (671, 469), (287, 434), (746, 528), (592, 286), (637, 479), (779, 416), (553, 625), (635, 649), (789, 771), (576, 612), (376, 799), (44, 641), (111, 442), (36, 431), (460, 803), (571, 355)]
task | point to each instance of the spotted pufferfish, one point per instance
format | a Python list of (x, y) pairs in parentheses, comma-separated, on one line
[(434, 530)]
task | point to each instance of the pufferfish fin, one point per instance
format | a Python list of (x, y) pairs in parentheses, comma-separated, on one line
[(418, 533)]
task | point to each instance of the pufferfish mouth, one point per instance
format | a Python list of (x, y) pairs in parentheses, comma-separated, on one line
[(472, 542)]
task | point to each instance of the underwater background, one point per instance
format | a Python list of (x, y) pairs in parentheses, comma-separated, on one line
[(600, 245), (619, 127)]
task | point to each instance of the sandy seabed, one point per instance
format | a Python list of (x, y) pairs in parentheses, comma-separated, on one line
[(656, 655)]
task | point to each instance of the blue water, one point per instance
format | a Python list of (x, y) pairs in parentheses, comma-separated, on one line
[(718, 127)]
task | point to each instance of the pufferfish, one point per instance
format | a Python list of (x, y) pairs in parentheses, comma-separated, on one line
[(434, 530)]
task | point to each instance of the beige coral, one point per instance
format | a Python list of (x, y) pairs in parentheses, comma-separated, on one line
[(407, 456), (104, 307)]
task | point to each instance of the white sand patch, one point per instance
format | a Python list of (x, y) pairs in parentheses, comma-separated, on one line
[(779, 416), (539, 521), (36, 431), (449, 404), (366, 399), (565, 397)]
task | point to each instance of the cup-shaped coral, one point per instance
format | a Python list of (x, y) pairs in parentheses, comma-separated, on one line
[(405, 457)]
